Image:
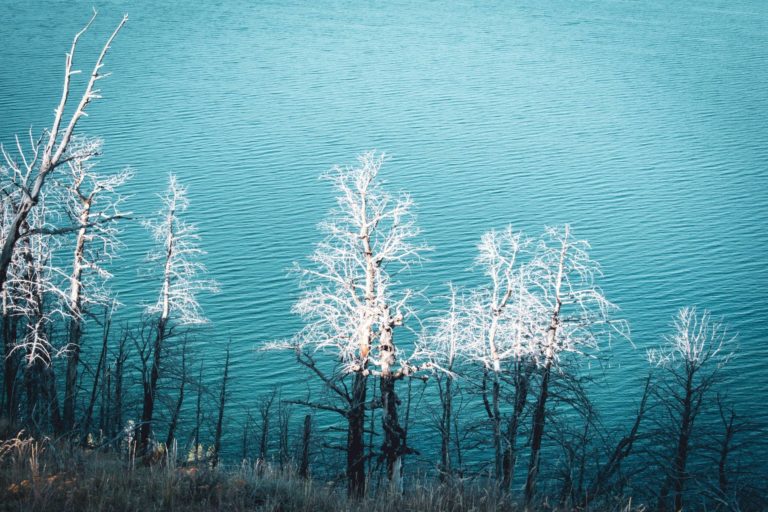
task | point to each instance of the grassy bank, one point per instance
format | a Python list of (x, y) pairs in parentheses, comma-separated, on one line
[(39, 475)]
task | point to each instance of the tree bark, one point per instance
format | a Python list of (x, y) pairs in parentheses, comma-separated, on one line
[(539, 417), (355, 437), (150, 387), (513, 426), (179, 402)]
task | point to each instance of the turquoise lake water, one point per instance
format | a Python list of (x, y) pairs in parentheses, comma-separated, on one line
[(642, 124)]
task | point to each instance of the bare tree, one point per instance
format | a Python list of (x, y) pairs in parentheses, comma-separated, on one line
[(31, 169), (34, 300), (573, 315), (693, 356), (441, 346), (498, 325), (177, 305), (93, 198), (500, 321), (351, 301)]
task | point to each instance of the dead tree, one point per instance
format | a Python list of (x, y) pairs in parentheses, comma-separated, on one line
[(351, 306), (36, 304), (498, 326), (32, 169), (692, 357), (573, 316), (177, 305), (603, 480), (92, 199)]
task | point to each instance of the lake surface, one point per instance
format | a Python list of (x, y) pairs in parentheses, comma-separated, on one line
[(642, 124)]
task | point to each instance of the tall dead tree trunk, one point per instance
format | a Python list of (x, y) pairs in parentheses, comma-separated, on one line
[(177, 304), (75, 322), (697, 343), (150, 387)]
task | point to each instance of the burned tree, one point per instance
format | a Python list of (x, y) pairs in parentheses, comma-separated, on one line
[(352, 307), (499, 318), (32, 169), (177, 305), (572, 316), (92, 200), (692, 357)]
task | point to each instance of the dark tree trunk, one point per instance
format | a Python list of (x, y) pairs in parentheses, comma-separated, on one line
[(681, 453), (177, 410), (70, 383), (10, 366), (446, 397), (150, 388), (394, 446), (118, 408), (305, 440), (522, 374), (539, 417), (355, 437), (102, 363)]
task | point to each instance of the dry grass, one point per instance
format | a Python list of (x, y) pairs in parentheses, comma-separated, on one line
[(38, 475)]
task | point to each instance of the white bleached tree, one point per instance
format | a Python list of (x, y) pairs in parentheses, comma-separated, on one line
[(178, 254), (499, 319), (25, 174), (31, 169), (573, 317), (93, 204), (352, 306), (692, 357), (35, 299)]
